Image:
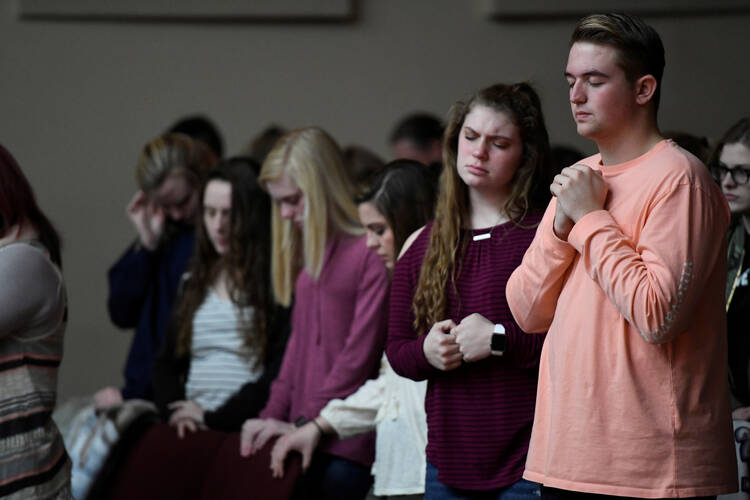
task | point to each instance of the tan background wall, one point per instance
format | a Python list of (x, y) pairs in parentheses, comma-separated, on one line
[(79, 99)]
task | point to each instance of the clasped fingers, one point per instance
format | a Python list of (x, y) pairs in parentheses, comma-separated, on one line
[(579, 190)]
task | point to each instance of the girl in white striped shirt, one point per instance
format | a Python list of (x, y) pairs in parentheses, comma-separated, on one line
[(215, 366)]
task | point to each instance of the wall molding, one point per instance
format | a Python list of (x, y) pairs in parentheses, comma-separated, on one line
[(512, 9), (189, 10)]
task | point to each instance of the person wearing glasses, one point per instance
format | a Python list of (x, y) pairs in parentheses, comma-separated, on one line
[(730, 166)]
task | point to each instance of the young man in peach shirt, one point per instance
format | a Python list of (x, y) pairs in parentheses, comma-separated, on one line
[(627, 272)]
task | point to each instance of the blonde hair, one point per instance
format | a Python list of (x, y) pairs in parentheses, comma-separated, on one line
[(313, 160), (173, 153)]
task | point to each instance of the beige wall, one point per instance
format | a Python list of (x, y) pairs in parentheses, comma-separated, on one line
[(80, 98)]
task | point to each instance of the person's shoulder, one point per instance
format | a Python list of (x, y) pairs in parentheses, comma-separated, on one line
[(682, 167), (678, 168), (417, 240), (29, 262), (25, 254), (593, 161)]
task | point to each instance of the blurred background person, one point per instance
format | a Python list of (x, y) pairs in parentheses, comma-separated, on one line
[(363, 166), (263, 143), (730, 166), (419, 136), (33, 315), (144, 280), (200, 128)]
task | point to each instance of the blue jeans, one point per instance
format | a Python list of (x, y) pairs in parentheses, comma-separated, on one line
[(520, 490), (332, 477)]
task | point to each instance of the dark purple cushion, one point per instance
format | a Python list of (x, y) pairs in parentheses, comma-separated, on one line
[(235, 477), (205, 465)]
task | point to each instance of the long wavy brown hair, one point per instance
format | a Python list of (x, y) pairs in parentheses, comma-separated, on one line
[(529, 192), (247, 262)]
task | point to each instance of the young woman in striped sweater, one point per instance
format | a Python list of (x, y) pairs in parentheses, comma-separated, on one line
[(33, 314), (449, 320)]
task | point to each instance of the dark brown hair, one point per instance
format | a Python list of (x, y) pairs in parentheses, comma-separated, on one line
[(404, 194), (18, 206), (247, 262), (739, 132)]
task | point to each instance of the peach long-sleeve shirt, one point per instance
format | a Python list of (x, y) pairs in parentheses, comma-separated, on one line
[(633, 397)]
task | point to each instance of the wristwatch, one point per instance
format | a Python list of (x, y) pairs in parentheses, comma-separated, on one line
[(499, 341), (301, 420)]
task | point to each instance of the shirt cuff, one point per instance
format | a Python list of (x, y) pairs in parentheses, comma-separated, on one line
[(559, 248)]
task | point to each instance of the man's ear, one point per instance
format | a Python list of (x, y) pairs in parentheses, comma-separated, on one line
[(645, 87)]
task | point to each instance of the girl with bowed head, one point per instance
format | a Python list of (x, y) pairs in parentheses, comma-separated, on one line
[(340, 290), (143, 282), (400, 201), (450, 323)]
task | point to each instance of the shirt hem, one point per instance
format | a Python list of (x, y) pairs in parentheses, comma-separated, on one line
[(390, 491), (606, 489)]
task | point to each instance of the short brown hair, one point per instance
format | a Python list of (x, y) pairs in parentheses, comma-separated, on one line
[(639, 47)]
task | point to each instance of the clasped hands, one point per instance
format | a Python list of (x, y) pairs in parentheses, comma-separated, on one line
[(579, 190), (187, 416), (447, 345)]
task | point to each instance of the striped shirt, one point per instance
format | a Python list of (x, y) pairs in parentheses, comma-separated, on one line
[(479, 415), (33, 461), (221, 362)]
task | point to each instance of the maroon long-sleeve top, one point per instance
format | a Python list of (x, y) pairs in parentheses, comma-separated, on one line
[(479, 416), (338, 334)]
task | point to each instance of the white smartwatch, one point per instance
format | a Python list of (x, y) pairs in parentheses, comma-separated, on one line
[(499, 341)]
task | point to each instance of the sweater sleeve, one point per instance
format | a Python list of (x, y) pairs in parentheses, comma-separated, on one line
[(404, 348), (129, 279), (534, 287), (357, 413), (282, 388), (31, 291), (358, 360), (250, 399), (656, 282)]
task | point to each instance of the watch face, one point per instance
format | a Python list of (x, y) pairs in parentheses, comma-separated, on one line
[(499, 341)]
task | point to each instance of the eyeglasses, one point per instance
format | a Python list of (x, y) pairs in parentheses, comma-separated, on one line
[(739, 175)]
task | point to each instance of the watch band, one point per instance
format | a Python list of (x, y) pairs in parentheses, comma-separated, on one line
[(499, 340)]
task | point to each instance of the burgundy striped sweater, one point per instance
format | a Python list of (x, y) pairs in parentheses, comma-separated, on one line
[(479, 415)]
